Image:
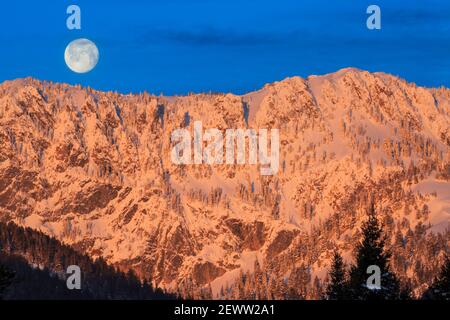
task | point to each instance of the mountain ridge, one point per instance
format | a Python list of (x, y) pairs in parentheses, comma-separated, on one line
[(340, 72), (93, 169)]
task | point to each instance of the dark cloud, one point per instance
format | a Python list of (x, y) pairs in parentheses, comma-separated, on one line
[(213, 37), (417, 17)]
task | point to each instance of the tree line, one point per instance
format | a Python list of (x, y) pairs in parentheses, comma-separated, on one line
[(33, 266), (343, 282), (352, 283)]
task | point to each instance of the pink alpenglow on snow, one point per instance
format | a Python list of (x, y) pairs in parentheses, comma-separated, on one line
[(235, 143), (114, 176)]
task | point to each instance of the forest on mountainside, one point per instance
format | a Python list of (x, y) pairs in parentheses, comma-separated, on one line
[(33, 266)]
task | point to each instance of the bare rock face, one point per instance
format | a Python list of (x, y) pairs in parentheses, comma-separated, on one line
[(250, 236), (95, 197), (203, 273), (281, 242), (94, 170)]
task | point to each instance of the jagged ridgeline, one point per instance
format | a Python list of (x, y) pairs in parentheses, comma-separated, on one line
[(38, 265)]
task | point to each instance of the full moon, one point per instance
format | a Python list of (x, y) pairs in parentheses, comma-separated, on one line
[(81, 55)]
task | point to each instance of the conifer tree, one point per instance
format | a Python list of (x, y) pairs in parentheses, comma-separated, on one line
[(337, 287), (6, 277), (371, 252), (440, 289)]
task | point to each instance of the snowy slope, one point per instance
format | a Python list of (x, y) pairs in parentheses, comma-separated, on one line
[(94, 170)]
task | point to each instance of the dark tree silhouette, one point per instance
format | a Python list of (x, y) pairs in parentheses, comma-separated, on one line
[(440, 289), (6, 277), (371, 252), (22, 247), (337, 287)]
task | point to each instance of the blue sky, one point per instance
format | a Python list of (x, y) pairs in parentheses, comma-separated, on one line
[(180, 46)]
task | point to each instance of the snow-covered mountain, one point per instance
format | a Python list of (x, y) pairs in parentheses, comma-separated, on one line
[(94, 170)]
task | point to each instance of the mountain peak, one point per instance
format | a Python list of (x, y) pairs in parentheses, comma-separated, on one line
[(293, 80), (94, 170)]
